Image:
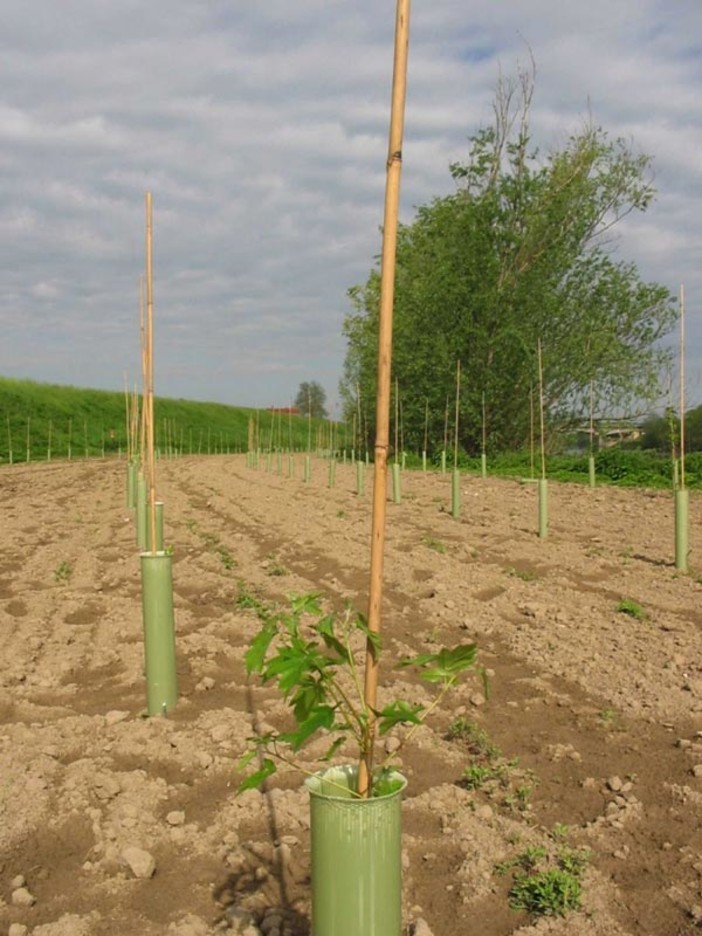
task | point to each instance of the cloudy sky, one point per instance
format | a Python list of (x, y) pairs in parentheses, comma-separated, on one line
[(260, 127)]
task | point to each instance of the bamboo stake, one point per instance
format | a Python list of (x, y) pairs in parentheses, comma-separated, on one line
[(456, 476), (446, 419), (397, 419), (458, 400), (541, 410), (387, 282), (483, 453), (309, 421), (358, 409), (144, 366), (682, 387), (126, 418), (531, 431), (682, 501), (591, 459), (542, 485), (150, 374)]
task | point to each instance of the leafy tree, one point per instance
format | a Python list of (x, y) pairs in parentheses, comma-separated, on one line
[(518, 253), (311, 399)]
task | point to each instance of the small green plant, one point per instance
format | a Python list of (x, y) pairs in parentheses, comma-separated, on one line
[(546, 893), (341, 514), (526, 860), (560, 832), (521, 795), (247, 600), (608, 717), (432, 543), (273, 567), (573, 860), (63, 571), (226, 558), (547, 882), (310, 656), (476, 738), (477, 775), (632, 608)]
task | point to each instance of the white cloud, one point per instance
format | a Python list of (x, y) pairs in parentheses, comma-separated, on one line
[(261, 129)]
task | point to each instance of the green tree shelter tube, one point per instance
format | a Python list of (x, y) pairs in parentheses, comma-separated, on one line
[(396, 486), (591, 469), (356, 856), (159, 633), (456, 493), (483, 465), (141, 503), (543, 507), (132, 469), (159, 529), (682, 528), (360, 478)]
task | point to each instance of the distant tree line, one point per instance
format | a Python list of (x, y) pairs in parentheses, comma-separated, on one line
[(517, 255)]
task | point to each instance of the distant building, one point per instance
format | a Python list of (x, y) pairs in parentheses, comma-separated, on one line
[(285, 410), (620, 434)]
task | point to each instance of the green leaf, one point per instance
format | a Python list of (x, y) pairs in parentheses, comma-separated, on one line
[(373, 637), (322, 717), (445, 665), (255, 656), (254, 780), (399, 713), (305, 604)]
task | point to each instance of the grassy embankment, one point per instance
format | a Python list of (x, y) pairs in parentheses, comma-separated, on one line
[(88, 423)]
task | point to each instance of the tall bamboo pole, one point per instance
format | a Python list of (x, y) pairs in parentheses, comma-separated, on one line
[(531, 431), (541, 410), (126, 416), (542, 484), (682, 501), (397, 419), (149, 370), (144, 358), (360, 420), (458, 402), (682, 387), (387, 283)]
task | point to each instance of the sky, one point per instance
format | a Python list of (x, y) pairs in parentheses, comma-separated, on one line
[(261, 129)]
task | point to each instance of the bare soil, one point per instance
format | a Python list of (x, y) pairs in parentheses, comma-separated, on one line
[(589, 739)]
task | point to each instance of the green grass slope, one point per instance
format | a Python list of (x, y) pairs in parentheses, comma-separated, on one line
[(41, 421)]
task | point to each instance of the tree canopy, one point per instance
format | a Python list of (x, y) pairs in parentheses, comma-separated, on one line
[(519, 253), (311, 399)]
